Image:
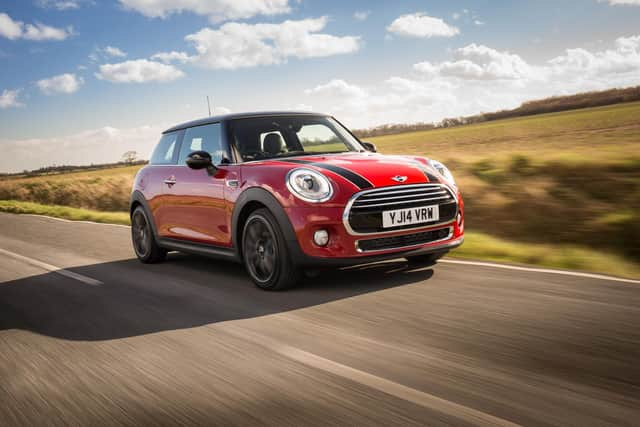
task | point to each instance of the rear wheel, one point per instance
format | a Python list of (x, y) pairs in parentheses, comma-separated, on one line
[(265, 253), (144, 242), (425, 260)]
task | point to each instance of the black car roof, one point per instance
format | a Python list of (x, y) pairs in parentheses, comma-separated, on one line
[(231, 116)]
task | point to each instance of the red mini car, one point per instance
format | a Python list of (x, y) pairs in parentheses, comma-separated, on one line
[(289, 193)]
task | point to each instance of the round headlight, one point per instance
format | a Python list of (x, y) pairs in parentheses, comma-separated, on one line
[(309, 185), (442, 170)]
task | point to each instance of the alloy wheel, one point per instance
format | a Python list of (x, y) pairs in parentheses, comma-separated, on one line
[(141, 234), (260, 249)]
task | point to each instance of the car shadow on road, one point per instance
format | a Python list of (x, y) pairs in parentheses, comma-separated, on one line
[(184, 292)]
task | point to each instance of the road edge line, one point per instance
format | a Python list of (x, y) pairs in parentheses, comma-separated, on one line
[(539, 270), (52, 268)]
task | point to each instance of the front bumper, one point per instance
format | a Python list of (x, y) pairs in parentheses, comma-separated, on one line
[(303, 260), (345, 248)]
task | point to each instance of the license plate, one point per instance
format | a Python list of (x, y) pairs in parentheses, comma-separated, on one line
[(419, 215)]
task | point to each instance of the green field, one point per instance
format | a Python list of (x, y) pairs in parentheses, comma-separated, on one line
[(559, 189)]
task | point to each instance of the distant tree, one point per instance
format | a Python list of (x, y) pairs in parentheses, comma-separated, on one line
[(130, 157)]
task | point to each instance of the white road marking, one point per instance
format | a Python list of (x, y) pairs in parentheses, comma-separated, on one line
[(77, 221), (51, 268), (539, 270), (429, 401)]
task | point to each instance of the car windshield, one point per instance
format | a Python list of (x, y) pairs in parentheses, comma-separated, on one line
[(258, 138)]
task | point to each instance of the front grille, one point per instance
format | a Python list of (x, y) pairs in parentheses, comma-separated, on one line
[(402, 241), (364, 214)]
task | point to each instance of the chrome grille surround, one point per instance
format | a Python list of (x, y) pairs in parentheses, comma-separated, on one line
[(397, 197)]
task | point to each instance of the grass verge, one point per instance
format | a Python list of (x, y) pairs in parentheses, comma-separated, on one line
[(482, 246), (65, 212), (476, 246)]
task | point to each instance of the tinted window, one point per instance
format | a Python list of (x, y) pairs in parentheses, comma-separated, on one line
[(284, 136), (319, 138), (165, 152), (202, 138)]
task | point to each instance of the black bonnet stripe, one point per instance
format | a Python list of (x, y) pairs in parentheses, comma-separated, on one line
[(356, 179), (431, 177)]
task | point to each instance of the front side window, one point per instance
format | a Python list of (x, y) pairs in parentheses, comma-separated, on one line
[(202, 138), (285, 136), (165, 151)]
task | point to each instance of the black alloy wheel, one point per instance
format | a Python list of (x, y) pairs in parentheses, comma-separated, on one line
[(260, 249), (144, 243), (265, 253)]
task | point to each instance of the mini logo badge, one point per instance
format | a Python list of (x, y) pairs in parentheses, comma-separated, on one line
[(399, 178)]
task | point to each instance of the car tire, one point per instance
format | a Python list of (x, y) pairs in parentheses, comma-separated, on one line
[(265, 253), (143, 238), (425, 260)]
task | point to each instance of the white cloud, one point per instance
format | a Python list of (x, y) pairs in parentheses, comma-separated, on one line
[(106, 53), (62, 84), (219, 111), (59, 4), (621, 61), (422, 26), (9, 28), (622, 2), (361, 15), (9, 98), (103, 145), (216, 10), (238, 45), (300, 107), (38, 31), (114, 52), (477, 79), (478, 22), (338, 88), (138, 71), (168, 57), (479, 62)]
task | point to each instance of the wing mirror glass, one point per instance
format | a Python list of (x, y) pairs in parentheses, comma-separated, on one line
[(201, 160), (369, 147)]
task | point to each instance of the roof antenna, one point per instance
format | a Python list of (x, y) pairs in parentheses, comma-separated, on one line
[(209, 105)]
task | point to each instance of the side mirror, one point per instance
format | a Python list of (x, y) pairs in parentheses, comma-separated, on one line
[(369, 147), (201, 160)]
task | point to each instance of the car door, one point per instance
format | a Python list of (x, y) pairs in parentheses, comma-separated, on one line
[(161, 168), (195, 208)]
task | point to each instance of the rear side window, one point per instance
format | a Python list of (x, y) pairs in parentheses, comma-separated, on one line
[(202, 138), (165, 152)]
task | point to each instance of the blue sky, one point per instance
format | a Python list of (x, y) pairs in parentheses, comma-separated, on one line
[(82, 81)]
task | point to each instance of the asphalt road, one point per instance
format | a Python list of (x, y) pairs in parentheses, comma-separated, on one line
[(89, 336)]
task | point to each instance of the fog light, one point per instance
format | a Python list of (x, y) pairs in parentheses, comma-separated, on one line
[(321, 237), (459, 220)]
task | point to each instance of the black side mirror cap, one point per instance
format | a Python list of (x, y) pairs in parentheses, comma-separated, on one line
[(369, 147), (201, 160)]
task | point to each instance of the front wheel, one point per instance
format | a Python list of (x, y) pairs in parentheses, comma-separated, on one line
[(265, 253), (144, 243)]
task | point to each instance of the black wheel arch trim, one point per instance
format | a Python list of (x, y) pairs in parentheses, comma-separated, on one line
[(138, 198), (264, 197)]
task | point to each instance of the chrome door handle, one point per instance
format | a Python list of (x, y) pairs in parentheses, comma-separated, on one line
[(170, 181)]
